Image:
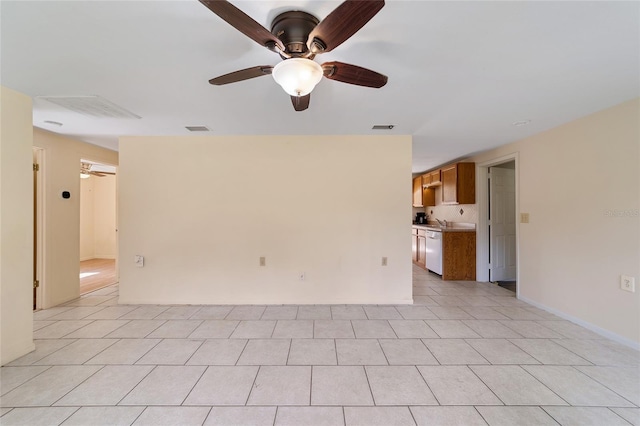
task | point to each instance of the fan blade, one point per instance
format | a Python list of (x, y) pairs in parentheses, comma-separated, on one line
[(240, 75), (243, 23), (99, 174), (353, 74), (300, 103), (342, 23)]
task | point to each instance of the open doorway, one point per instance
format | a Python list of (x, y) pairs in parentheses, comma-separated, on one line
[(497, 232), (98, 235)]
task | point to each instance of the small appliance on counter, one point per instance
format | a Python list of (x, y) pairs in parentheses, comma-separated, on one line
[(421, 218)]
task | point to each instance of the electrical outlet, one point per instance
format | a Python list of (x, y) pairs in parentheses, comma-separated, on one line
[(301, 276), (138, 260), (384, 261), (628, 283), (524, 217), (263, 261)]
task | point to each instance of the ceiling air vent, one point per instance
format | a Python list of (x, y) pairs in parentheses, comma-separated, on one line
[(197, 128), (383, 127), (92, 106)]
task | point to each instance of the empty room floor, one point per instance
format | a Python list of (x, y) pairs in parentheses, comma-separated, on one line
[(465, 353), (96, 274)]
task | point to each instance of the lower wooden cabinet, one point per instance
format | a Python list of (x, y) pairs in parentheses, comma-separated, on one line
[(459, 256), (419, 247), (458, 253)]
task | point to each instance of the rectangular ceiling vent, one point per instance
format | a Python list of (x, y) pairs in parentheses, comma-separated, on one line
[(197, 128), (383, 127), (91, 105)]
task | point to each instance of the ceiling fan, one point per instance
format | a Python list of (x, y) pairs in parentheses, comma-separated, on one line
[(298, 37), (85, 171)]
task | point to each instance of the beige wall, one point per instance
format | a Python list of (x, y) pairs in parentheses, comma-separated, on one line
[(104, 218), (203, 210), (61, 168), (87, 237), (573, 251), (98, 217), (16, 226)]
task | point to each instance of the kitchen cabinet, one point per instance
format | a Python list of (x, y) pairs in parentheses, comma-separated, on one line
[(459, 256), (423, 196), (431, 178), (428, 197), (417, 192), (419, 246), (459, 183), (458, 253)]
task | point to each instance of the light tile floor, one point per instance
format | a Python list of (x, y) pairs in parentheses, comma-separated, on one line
[(465, 354)]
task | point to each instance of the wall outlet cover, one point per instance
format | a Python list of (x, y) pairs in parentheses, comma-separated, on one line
[(628, 283)]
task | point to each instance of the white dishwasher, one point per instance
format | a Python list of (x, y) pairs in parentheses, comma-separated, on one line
[(434, 251)]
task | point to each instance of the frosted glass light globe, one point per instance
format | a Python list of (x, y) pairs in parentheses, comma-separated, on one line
[(297, 76)]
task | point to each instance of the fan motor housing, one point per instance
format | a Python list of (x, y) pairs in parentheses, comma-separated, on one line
[(293, 29)]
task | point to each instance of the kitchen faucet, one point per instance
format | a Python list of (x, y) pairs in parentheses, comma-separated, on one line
[(442, 223)]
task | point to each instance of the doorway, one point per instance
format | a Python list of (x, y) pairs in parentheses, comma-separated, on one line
[(502, 225), (498, 234), (98, 236)]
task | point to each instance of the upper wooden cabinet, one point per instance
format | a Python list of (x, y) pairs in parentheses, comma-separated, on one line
[(435, 178), (431, 178), (459, 183), (417, 192), (423, 196)]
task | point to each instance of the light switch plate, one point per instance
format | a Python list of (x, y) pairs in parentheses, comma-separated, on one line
[(524, 217)]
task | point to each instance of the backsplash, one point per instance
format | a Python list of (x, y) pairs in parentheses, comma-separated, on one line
[(451, 213)]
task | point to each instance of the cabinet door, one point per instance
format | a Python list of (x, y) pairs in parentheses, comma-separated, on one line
[(422, 251), (417, 192), (450, 185), (414, 242), (426, 179), (435, 177), (428, 196)]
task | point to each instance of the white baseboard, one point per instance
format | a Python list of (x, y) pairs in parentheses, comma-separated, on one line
[(591, 327), (127, 301), (104, 256)]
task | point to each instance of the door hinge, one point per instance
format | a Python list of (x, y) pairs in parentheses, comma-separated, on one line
[(36, 167), (36, 284)]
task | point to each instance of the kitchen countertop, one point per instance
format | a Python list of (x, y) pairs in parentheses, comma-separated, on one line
[(452, 227)]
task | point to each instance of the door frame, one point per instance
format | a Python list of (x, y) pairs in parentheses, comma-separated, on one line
[(483, 236), (40, 200)]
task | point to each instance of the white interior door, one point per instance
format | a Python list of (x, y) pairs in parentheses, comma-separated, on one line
[(502, 197)]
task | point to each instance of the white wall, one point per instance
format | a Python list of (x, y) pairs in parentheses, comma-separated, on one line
[(16, 226), (61, 169), (573, 251), (202, 210), (98, 217)]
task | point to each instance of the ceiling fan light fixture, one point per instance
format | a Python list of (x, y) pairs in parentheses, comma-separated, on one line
[(297, 76), (84, 175)]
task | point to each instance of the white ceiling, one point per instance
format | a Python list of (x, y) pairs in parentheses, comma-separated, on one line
[(460, 73)]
